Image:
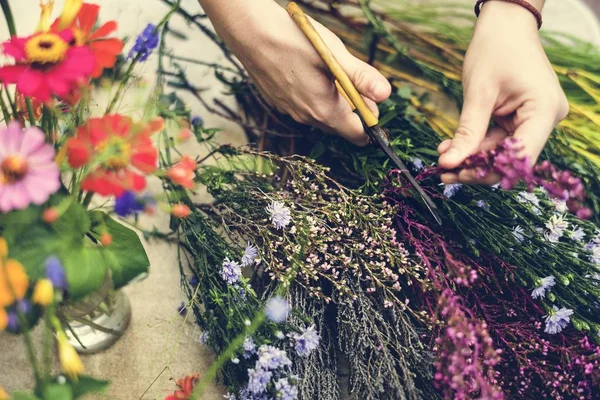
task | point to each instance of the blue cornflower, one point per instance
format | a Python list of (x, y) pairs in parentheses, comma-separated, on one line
[(271, 358), (544, 286), (56, 273), (197, 121), (451, 189), (250, 254), (307, 341), (246, 394), (127, 204), (231, 271), (277, 309), (557, 320), (258, 380), (249, 347), (145, 43), (279, 213), (285, 391)]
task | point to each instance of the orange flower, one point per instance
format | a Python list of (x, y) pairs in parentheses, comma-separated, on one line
[(105, 49), (16, 283), (186, 387), (122, 148), (183, 172), (180, 211)]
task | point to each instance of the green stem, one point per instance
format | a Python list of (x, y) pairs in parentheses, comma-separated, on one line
[(4, 108), (10, 22), (30, 111), (88, 199), (226, 356)]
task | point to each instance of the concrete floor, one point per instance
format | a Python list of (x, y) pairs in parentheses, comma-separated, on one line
[(160, 346)]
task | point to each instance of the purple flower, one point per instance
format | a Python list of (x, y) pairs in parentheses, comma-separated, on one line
[(56, 273), (250, 254), (13, 322), (145, 43), (557, 320), (194, 281), (24, 306), (417, 164), (249, 347), (197, 121), (577, 235), (204, 336), (128, 204), (231, 272), (182, 310), (544, 286), (271, 358), (280, 214), (482, 204), (285, 391), (307, 341), (277, 309), (258, 380), (451, 189)]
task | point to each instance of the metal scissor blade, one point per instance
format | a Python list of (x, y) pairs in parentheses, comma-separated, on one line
[(380, 137)]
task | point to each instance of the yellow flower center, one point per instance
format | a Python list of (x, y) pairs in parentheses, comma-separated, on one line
[(79, 37), (12, 169), (117, 151), (46, 48)]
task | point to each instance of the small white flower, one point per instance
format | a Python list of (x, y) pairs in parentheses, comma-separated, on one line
[(280, 214), (451, 189), (556, 226), (526, 197), (560, 205), (557, 320), (518, 234), (235, 360), (545, 285), (417, 163), (577, 235)]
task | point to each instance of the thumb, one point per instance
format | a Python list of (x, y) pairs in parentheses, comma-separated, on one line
[(472, 127), (368, 81)]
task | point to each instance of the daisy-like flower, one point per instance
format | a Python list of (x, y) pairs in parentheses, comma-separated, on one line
[(545, 285), (286, 391), (277, 309), (28, 173), (556, 226), (577, 235), (271, 358), (451, 189), (249, 347), (280, 215), (122, 149), (104, 49), (231, 271), (185, 388), (560, 205), (258, 379), (557, 320), (517, 232), (526, 197), (46, 64), (307, 341), (250, 254)]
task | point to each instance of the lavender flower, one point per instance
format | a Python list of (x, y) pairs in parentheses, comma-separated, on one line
[(250, 254), (557, 320), (56, 273), (545, 285), (307, 341), (577, 235), (145, 43), (277, 309), (271, 358), (417, 163), (249, 347), (556, 226), (231, 272), (518, 234), (280, 214), (285, 391), (258, 380), (451, 189)]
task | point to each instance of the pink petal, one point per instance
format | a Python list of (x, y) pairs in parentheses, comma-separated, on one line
[(79, 63), (33, 83), (14, 197), (15, 48), (40, 187), (11, 139), (33, 140), (11, 73), (58, 85), (42, 156)]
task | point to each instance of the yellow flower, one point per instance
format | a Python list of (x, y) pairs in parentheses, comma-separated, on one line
[(44, 24), (69, 359), (43, 294), (69, 13), (3, 248), (3, 394), (14, 271), (3, 324)]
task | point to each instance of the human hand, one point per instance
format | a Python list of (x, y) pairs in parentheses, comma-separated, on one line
[(508, 78), (287, 69)]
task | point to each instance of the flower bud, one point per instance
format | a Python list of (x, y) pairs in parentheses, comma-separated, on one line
[(69, 359), (50, 215), (43, 293), (180, 211), (106, 239)]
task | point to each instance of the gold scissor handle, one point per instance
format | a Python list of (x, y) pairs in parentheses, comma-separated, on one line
[(343, 82)]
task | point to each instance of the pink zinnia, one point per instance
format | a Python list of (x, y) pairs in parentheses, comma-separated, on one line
[(28, 173), (47, 64)]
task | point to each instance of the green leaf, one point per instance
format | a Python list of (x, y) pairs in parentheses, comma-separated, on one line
[(87, 384), (318, 150), (23, 396), (86, 270), (126, 256), (58, 392)]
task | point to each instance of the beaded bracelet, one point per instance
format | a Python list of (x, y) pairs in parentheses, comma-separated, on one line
[(522, 3)]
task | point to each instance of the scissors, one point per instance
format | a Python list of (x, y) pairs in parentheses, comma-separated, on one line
[(347, 89)]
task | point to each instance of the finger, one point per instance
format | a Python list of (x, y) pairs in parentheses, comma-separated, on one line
[(494, 136), (533, 134), (372, 105), (472, 127), (346, 123), (444, 146), (368, 81)]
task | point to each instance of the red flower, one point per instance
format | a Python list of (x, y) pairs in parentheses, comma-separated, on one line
[(46, 64), (183, 172), (186, 387), (105, 49), (180, 210), (121, 150)]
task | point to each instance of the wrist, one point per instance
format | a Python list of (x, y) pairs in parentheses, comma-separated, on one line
[(509, 16)]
